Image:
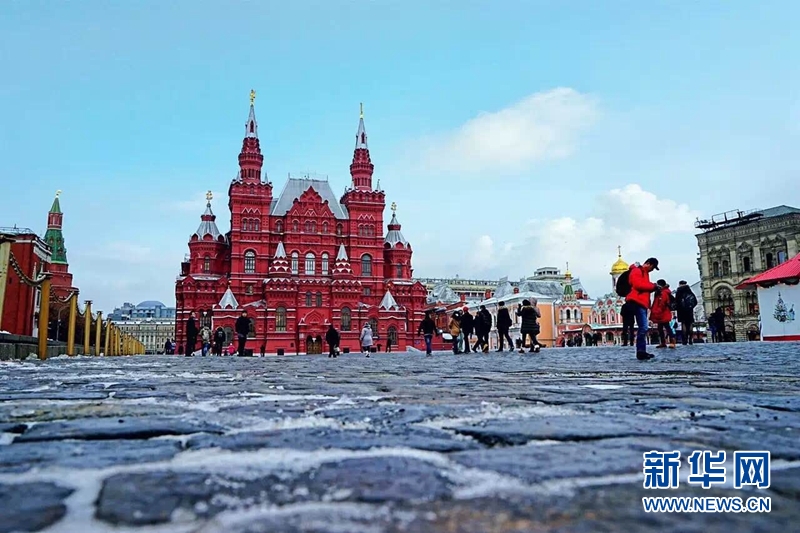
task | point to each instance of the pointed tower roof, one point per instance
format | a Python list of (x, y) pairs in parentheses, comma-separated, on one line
[(361, 168), (388, 302), (361, 134), (569, 291), (251, 126), (279, 266), (53, 236), (250, 158), (228, 300), (342, 254), (208, 226), (56, 208), (394, 235), (341, 267)]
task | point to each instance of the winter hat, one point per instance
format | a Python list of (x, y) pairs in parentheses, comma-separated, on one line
[(526, 302), (661, 283)]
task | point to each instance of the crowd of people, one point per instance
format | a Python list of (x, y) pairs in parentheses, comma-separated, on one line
[(645, 302)]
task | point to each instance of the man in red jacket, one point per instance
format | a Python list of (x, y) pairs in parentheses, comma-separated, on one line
[(641, 288)]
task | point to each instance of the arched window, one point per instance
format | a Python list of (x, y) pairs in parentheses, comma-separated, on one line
[(244, 224), (309, 226), (308, 299), (752, 302), (373, 323), (280, 319), (339, 229), (325, 263), (345, 319), (602, 317), (252, 332), (399, 271), (781, 257), (391, 335), (569, 315), (311, 264), (256, 224), (207, 264), (715, 269), (295, 225), (770, 261), (366, 265), (279, 226), (249, 262), (746, 264), (325, 227), (319, 299), (295, 263), (726, 268)]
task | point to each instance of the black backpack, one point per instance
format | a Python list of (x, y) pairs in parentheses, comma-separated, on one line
[(673, 305), (623, 286)]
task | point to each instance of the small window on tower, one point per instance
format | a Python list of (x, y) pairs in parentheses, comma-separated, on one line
[(325, 227), (308, 299), (249, 262), (256, 225), (295, 225), (319, 299), (207, 264), (339, 229), (279, 226), (248, 289), (399, 271)]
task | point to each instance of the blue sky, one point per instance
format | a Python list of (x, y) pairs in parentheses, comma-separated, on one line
[(512, 135)]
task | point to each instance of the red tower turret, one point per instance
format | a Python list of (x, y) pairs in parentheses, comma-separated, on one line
[(361, 168), (396, 251), (250, 158)]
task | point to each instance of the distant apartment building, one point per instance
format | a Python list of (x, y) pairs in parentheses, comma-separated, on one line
[(152, 332), (146, 309)]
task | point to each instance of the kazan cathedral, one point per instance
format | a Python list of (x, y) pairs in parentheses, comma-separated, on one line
[(300, 261)]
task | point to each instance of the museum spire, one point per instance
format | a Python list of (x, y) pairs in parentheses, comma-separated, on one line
[(250, 158), (361, 168)]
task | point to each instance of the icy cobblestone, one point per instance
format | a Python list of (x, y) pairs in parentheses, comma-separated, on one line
[(394, 443)]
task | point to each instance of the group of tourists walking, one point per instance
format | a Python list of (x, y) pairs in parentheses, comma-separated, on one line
[(211, 343)]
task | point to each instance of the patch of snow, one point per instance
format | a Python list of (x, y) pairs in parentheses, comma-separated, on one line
[(603, 386), (7, 438)]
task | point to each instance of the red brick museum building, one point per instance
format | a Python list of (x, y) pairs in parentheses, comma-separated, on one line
[(301, 260)]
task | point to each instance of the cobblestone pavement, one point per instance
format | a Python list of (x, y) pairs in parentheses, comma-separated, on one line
[(478, 443)]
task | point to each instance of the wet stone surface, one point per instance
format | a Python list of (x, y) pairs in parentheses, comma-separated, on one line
[(394, 443)]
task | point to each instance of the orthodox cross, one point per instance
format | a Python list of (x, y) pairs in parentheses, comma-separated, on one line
[(394, 208), (619, 251), (361, 112), (209, 196), (252, 96), (58, 193)]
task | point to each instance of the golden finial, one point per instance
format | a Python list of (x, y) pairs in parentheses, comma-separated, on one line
[(58, 193), (568, 273), (209, 196), (394, 208), (361, 112), (252, 96)]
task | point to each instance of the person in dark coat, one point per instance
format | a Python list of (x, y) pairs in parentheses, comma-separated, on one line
[(504, 323), (484, 318), (332, 338), (219, 340), (628, 313), (242, 331), (529, 314), (428, 329), (191, 334), (685, 301), (468, 327)]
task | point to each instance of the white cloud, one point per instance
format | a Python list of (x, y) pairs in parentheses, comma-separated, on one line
[(637, 220), (543, 126)]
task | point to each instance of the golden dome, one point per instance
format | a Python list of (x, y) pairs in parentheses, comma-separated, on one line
[(619, 266)]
